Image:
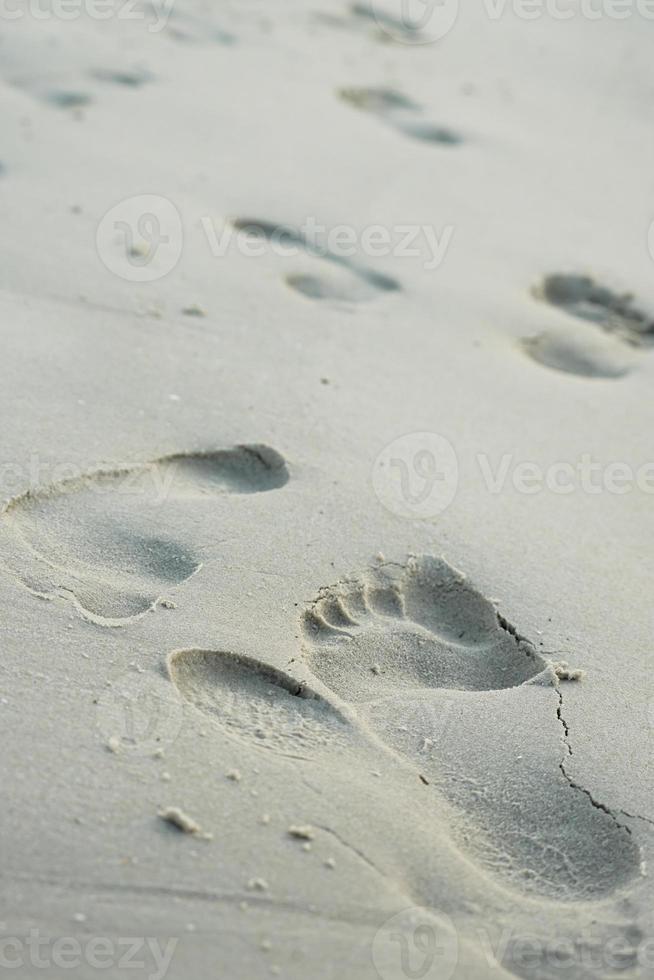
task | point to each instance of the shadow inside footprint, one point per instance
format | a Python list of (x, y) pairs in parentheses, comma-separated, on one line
[(582, 349), (103, 539), (400, 112), (379, 24), (390, 27), (256, 703), (409, 645), (67, 99), (57, 90), (128, 79), (186, 28), (348, 282)]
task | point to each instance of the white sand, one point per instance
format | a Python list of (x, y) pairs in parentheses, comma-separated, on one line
[(200, 575)]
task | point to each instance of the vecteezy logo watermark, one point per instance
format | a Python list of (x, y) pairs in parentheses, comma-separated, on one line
[(141, 238), (415, 21), (139, 713), (417, 475), (95, 952), (155, 14), (424, 21), (416, 944)]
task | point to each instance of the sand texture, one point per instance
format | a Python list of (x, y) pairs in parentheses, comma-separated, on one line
[(326, 560)]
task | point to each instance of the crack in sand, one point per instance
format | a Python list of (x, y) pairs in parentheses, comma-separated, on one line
[(568, 778), (637, 816), (354, 850), (510, 628)]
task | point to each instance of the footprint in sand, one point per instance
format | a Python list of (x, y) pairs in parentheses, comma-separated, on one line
[(59, 91), (378, 24), (345, 282), (419, 664), (106, 540), (604, 340), (67, 99), (62, 88), (189, 29), (440, 678), (387, 28), (126, 78), (420, 678), (257, 703), (399, 112)]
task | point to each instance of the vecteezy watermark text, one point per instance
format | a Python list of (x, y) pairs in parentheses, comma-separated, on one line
[(412, 241), (585, 475), (155, 15), (41, 952), (153, 480), (599, 956), (569, 9)]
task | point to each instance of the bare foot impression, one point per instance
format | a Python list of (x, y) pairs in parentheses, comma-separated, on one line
[(67, 99), (57, 89), (400, 112), (257, 703), (106, 540), (389, 27), (127, 78), (187, 28), (59, 94), (408, 646), (603, 342), (340, 280)]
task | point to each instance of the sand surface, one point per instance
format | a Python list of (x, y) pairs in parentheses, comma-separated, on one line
[(286, 571)]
